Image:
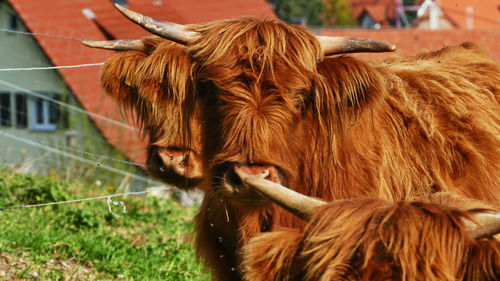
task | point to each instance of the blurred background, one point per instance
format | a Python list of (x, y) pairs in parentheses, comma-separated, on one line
[(58, 122)]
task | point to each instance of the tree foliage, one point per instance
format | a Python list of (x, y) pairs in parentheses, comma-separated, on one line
[(337, 12), (314, 12), (299, 11)]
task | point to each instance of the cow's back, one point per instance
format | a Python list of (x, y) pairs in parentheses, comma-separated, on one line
[(441, 123)]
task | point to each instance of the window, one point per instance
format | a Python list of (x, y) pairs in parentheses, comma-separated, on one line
[(5, 111), (366, 21), (12, 22), (21, 111), (54, 112), (24, 111), (45, 114)]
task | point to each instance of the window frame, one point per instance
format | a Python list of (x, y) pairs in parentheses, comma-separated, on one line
[(45, 125), (12, 22), (20, 122), (9, 110)]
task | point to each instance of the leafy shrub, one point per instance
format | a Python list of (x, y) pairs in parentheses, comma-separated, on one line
[(78, 219), (28, 189), (43, 192)]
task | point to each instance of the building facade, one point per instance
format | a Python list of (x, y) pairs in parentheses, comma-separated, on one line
[(43, 128)]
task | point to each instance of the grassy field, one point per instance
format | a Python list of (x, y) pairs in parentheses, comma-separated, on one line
[(84, 241)]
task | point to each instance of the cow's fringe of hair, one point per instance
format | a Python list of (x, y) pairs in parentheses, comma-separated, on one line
[(116, 75), (260, 44), (375, 240), (264, 52), (156, 86)]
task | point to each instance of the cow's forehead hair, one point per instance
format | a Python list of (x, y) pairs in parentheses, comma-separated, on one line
[(260, 44)]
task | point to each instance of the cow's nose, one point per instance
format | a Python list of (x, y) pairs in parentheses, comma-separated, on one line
[(183, 162), (242, 171)]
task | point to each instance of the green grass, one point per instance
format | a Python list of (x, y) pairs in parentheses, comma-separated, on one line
[(150, 242)]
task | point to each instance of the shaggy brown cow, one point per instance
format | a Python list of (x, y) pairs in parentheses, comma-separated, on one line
[(440, 242), (259, 98)]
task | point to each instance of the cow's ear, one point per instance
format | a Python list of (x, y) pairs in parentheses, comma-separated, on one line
[(117, 74), (353, 83), (166, 87)]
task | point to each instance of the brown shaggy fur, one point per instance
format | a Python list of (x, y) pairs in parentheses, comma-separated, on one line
[(375, 240), (259, 91)]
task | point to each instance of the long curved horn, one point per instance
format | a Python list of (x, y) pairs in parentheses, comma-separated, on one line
[(484, 225), (167, 30), (117, 45), (332, 45), (294, 202)]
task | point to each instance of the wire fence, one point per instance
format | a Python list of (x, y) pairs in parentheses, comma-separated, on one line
[(51, 67), (42, 34), (78, 158), (64, 150), (50, 147), (108, 197), (69, 148), (69, 106)]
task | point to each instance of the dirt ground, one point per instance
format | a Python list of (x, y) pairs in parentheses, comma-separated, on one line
[(21, 268)]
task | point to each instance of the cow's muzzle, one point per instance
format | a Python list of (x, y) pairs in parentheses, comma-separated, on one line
[(177, 166), (231, 177), (184, 162)]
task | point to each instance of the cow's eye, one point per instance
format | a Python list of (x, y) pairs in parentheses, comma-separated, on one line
[(299, 105), (300, 100)]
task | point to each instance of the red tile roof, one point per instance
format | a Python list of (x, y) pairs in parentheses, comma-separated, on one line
[(485, 13), (412, 41), (65, 18), (379, 10)]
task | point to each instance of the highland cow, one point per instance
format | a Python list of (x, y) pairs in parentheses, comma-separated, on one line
[(434, 238), (243, 98)]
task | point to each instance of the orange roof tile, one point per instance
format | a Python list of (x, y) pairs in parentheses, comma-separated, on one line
[(485, 13), (379, 10), (412, 41), (65, 18)]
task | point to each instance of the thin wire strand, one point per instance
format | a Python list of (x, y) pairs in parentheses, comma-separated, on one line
[(108, 197), (12, 125), (85, 199), (65, 147), (42, 34), (96, 155), (78, 158), (52, 67), (71, 107)]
